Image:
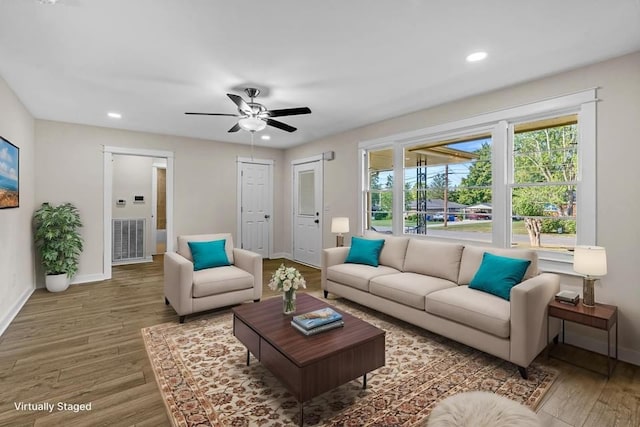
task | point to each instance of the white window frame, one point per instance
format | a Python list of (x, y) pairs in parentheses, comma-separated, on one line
[(582, 103), (363, 168)]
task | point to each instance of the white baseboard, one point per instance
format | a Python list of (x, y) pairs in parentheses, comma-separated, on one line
[(600, 346), (87, 278), (135, 261), (281, 255), (289, 257), (13, 312)]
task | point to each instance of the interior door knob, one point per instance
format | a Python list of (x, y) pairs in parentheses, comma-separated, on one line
[(317, 221)]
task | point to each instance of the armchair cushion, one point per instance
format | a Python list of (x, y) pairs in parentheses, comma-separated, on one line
[(220, 280), (208, 254)]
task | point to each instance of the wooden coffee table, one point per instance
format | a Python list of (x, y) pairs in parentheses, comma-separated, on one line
[(308, 365)]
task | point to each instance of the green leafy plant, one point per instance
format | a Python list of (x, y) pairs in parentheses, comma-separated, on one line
[(58, 239)]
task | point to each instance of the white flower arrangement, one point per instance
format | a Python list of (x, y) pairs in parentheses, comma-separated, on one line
[(287, 279)]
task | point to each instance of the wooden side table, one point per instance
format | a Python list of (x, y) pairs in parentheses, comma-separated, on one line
[(602, 316)]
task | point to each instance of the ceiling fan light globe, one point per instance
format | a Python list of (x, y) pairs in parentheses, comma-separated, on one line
[(252, 124)]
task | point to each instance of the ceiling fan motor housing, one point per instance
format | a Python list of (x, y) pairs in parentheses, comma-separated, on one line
[(252, 92), (256, 108)]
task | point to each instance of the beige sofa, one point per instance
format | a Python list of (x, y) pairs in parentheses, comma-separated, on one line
[(424, 282), (190, 291)]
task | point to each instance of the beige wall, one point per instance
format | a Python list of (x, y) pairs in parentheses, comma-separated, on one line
[(16, 248), (618, 139), (70, 168)]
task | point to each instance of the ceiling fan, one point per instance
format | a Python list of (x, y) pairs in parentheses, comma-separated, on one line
[(254, 117)]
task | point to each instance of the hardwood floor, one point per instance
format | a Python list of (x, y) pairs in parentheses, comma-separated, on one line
[(85, 346)]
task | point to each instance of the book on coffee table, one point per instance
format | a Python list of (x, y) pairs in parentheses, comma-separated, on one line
[(316, 318), (318, 329)]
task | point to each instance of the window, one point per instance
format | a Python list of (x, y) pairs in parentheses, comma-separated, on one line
[(379, 193), (544, 183), (447, 188), (514, 177)]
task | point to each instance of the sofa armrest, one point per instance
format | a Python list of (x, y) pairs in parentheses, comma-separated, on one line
[(250, 262), (529, 302), (178, 282), (332, 256)]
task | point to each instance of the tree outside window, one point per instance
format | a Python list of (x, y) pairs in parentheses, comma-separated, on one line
[(545, 170)]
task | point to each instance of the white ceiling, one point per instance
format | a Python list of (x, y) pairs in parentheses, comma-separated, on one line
[(352, 62)]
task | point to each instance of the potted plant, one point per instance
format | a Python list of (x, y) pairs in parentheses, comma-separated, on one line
[(59, 241)]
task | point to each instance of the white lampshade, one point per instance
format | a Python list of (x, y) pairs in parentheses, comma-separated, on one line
[(340, 224), (252, 124), (590, 261)]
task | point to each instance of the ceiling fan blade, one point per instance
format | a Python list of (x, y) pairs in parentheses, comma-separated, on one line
[(243, 106), (280, 125), (235, 128), (289, 112), (214, 114)]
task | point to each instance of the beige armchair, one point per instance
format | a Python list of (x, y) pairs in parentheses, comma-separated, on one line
[(190, 291)]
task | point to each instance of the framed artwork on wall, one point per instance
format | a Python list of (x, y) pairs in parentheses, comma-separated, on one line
[(9, 175)]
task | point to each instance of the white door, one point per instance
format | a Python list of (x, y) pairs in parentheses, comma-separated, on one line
[(255, 209), (307, 212)]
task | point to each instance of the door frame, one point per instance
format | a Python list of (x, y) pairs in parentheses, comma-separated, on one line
[(154, 202), (109, 152), (319, 158), (270, 163)]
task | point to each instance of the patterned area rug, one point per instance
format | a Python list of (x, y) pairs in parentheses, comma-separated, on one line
[(202, 374)]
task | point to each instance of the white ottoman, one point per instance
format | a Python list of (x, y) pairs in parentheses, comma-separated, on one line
[(481, 409)]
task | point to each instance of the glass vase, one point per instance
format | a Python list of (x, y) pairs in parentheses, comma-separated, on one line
[(289, 302)]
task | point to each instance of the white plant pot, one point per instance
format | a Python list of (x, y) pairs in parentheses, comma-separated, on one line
[(56, 282)]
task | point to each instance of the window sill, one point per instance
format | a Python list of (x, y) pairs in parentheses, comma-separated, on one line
[(549, 265)]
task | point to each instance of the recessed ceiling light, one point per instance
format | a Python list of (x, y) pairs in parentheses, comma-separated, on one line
[(476, 56), (265, 137), (48, 1), (115, 115)]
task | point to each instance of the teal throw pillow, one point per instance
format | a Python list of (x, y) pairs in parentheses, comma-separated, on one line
[(365, 251), (498, 274), (208, 254)]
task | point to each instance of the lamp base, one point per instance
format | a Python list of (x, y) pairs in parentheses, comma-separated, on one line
[(339, 240), (588, 292)]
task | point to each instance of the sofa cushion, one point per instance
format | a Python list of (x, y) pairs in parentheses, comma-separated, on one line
[(393, 250), (365, 251), (472, 258), (183, 244), (498, 274), (220, 280), (208, 254), (473, 308), (437, 259), (357, 275), (407, 288)]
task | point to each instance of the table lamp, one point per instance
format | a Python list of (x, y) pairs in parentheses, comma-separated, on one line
[(591, 261), (340, 224)]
